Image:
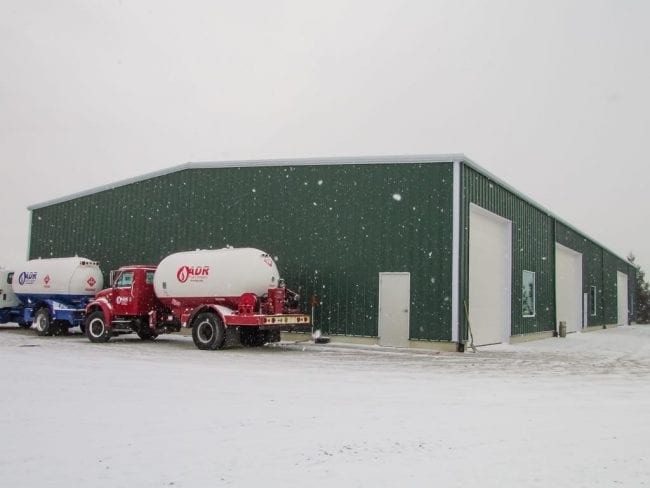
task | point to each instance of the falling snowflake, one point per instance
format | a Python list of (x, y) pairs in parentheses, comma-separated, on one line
[(397, 197)]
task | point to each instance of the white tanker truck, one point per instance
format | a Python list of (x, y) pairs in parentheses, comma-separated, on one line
[(51, 294), (224, 295)]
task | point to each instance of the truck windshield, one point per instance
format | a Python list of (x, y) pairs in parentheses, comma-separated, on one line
[(125, 280)]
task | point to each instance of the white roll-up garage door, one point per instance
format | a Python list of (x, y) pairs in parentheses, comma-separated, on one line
[(568, 287), (490, 276), (621, 297)]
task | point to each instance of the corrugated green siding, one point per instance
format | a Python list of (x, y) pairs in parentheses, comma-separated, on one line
[(534, 234), (332, 228), (599, 269), (592, 272), (532, 250)]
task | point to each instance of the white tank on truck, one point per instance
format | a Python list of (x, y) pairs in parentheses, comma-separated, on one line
[(68, 278), (55, 291), (227, 272)]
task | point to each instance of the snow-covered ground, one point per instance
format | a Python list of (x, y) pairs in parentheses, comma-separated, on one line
[(571, 412)]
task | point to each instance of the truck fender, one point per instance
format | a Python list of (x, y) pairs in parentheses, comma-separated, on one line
[(220, 310), (103, 305)]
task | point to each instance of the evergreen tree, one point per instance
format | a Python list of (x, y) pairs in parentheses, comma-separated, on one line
[(641, 295)]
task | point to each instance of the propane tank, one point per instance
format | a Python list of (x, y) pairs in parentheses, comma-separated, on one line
[(8, 298), (228, 272), (71, 278)]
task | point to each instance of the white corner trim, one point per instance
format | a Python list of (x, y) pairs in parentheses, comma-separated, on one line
[(455, 255)]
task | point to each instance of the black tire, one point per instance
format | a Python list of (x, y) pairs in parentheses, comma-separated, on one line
[(273, 336), (208, 332), (43, 322), (60, 327), (96, 329)]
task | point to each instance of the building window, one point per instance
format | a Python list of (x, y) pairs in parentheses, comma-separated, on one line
[(593, 294), (528, 294)]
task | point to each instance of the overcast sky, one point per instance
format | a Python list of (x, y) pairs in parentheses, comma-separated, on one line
[(551, 96)]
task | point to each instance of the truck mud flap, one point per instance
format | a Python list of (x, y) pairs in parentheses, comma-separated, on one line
[(233, 337)]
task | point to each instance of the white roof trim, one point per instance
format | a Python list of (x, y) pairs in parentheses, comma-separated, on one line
[(402, 159), (540, 207)]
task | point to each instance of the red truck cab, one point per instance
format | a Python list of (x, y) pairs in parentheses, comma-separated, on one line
[(129, 305)]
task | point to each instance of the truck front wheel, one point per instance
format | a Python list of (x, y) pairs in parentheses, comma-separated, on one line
[(43, 322), (208, 332), (96, 329)]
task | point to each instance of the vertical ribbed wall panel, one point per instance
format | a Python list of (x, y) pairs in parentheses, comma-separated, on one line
[(599, 269), (332, 228), (532, 250), (533, 240)]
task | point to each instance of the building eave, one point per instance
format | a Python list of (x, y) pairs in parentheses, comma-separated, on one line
[(325, 161), (423, 158)]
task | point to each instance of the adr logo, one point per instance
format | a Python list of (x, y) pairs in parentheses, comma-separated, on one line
[(184, 273)]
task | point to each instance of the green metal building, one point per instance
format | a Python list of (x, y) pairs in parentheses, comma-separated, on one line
[(422, 251)]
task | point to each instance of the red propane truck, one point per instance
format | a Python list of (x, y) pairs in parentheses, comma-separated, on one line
[(226, 296)]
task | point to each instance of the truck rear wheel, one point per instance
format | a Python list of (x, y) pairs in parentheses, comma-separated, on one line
[(208, 331), (96, 329), (43, 322)]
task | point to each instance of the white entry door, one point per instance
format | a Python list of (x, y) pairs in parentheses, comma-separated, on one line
[(568, 287), (490, 276), (621, 298), (394, 306)]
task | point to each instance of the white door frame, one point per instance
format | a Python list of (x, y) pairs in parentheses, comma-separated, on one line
[(506, 331), (622, 316), (578, 297), (382, 326)]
